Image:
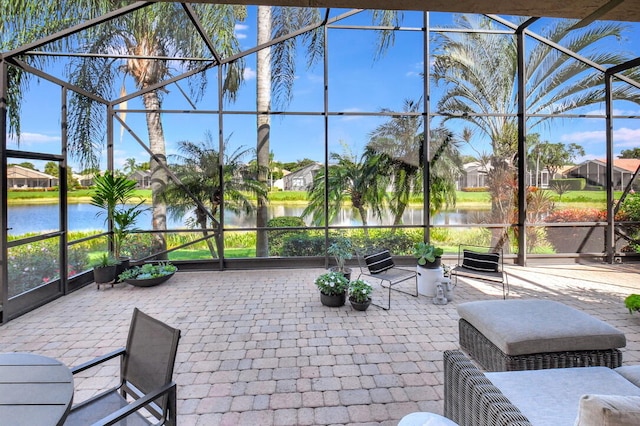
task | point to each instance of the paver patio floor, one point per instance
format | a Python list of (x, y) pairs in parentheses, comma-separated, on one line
[(258, 348)]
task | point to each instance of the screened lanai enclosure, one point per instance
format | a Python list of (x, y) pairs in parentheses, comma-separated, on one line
[(259, 135)]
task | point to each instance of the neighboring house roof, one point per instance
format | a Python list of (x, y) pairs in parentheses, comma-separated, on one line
[(629, 165), (141, 173), (304, 170), (475, 166), (19, 172), (564, 169)]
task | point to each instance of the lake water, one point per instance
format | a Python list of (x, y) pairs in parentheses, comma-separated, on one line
[(82, 217)]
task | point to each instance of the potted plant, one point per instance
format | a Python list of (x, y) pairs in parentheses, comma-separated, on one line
[(149, 274), (429, 270), (333, 287), (632, 302), (104, 268), (341, 249), (359, 294), (428, 255), (113, 194)]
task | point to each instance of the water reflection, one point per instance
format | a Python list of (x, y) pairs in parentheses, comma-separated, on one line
[(82, 217)]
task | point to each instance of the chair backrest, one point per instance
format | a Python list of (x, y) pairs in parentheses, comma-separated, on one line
[(478, 258), (378, 262), (150, 357)]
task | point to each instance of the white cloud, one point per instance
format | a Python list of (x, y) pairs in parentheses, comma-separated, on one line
[(33, 138), (620, 136), (249, 73), (623, 112), (240, 30), (417, 70)]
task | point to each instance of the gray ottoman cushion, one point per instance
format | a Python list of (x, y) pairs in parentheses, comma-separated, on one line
[(519, 327), (552, 397)]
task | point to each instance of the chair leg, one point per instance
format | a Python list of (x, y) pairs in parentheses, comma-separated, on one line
[(388, 297)]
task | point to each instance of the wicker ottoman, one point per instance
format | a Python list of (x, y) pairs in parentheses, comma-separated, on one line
[(510, 335)]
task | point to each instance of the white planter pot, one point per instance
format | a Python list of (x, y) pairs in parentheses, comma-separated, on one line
[(428, 279)]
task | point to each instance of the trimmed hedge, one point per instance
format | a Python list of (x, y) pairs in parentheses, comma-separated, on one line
[(575, 184)]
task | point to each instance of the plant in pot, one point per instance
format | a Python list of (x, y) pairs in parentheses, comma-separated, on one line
[(333, 287), (104, 268), (632, 302), (342, 250), (359, 294), (113, 194), (428, 255), (148, 274)]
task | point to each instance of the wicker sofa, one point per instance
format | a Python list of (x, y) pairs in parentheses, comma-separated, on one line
[(539, 397)]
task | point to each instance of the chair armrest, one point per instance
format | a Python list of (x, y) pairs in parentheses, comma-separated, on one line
[(136, 405), (97, 361)]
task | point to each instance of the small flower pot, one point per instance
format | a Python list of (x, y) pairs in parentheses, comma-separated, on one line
[(360, 306), (334, 300)]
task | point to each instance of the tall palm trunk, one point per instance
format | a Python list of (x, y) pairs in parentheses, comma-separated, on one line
[(263, 82), (159, 177), (202, 221)]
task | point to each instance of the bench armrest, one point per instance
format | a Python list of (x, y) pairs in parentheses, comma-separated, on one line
[(470, 399)]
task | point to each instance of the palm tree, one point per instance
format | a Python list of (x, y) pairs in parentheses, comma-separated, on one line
[(199, 171), (130, 166), (276, 72), (160, 29), (399, 144), (350, 178), (479, 72)]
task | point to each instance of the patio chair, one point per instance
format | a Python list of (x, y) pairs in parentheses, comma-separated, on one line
[(481, 263), (379, 265), (146, 370)]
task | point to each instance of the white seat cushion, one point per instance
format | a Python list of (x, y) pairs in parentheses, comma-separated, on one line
[(551, 397)]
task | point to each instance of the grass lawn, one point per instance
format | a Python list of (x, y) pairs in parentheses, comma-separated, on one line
[(471, 200), (204, 254)]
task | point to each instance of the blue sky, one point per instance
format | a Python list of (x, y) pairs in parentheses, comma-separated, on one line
[(357, 83)]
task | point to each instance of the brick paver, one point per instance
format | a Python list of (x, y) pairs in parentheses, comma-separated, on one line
[(257, 347)]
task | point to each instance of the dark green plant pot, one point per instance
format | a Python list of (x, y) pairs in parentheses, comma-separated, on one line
[(148, 282), (360, 306), (333, 301), (104, 275)]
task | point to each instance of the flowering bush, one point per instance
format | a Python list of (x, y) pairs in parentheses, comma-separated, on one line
[(577, 215), (148, 270), (332, 283), (359, 291)]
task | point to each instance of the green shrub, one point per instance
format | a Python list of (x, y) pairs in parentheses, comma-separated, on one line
[(631, 207), (573, 184), (303, 245), (32, 265), (277, 238)]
